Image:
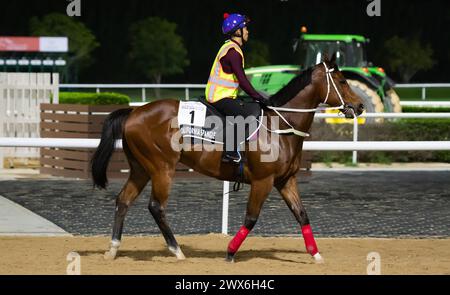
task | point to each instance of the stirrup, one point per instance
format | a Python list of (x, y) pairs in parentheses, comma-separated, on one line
[(229, 158)]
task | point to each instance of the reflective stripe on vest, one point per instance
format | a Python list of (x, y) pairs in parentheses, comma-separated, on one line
[(221, 84)]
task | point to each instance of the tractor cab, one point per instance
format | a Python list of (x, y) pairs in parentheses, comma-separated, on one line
[(349, 50)]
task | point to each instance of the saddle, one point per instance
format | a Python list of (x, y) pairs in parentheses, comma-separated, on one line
[(212, 126)]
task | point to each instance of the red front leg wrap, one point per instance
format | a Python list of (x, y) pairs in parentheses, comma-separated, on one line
[(310, 243), (236, 242)]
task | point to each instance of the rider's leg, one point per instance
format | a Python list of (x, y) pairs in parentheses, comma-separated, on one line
[(229, 107)]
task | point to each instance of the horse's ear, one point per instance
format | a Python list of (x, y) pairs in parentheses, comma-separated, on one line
[(333, 59), (325, 57)]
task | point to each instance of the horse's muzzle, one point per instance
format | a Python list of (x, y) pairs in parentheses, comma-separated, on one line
[(350, 110)]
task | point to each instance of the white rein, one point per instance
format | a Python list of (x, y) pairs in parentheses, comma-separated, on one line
[(277, 110)]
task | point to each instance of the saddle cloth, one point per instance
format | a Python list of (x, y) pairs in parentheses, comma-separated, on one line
[(203, 123)]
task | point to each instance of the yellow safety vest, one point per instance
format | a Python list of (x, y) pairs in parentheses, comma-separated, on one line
[(221, 84)]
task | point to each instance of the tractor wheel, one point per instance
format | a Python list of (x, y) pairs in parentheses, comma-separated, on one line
[(392, 102), (371, 100)]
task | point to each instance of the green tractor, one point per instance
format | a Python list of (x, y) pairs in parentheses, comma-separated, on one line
[(369, 82)]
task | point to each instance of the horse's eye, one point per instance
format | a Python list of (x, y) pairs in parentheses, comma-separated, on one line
[(343, 81)]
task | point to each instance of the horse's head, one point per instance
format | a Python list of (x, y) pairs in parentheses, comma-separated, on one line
[(333, 89)]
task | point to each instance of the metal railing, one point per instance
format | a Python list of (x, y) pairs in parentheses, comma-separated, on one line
[(431, 104), (91, 143), (186, 87), (143, 87), (353, 145), (383, 115), (423, 87)]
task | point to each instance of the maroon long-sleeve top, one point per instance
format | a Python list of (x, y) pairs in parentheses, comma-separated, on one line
[(232, 64)]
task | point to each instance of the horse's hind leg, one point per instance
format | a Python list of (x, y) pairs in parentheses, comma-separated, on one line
[(161, 183), (258, 194), (289, 192), (135, 184)]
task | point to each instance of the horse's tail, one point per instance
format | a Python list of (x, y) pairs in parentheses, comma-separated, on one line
[(112, 130)]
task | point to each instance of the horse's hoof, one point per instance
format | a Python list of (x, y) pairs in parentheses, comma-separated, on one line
[(229, 258), (110, 255), (180, 256), (318, 258), (178, 253)]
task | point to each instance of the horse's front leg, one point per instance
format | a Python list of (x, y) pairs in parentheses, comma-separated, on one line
[(259, 191), (291, 196)]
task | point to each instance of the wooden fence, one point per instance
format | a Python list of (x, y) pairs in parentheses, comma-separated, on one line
[(81, 121), (76, 121)]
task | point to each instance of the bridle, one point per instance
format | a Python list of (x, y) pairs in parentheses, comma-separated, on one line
[(292, 130)]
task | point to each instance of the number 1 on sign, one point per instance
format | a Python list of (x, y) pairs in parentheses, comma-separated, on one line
[(192, 113)]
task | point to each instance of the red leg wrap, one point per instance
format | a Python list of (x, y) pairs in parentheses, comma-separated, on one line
[(310, 243), (236, 242)]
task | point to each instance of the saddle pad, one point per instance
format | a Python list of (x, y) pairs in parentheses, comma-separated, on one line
[(191, 121), (205, 123), (191, 113)]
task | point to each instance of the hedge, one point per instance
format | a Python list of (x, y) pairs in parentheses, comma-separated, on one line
[(93, 98), (401, 129)]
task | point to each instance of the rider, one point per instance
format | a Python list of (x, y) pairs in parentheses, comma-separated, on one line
[(227, 74)]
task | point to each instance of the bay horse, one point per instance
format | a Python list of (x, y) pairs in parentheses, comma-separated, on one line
[(146, 134)]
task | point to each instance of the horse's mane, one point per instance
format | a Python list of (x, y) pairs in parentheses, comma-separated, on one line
[(289, 91)]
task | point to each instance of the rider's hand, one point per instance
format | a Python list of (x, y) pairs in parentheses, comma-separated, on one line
[(264, 101), (264, 98)]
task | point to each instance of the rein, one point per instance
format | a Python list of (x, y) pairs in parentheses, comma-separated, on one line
[(292, 130)]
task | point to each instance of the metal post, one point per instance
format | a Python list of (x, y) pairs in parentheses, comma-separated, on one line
[(424, 94), (143, 94), (186, 93), (55, 86), (226, 190), (355, 138)]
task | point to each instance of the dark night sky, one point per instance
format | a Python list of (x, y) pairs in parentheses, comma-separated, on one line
[(275, 22)]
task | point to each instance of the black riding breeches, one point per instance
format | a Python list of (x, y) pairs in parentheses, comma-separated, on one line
[(233, 107)]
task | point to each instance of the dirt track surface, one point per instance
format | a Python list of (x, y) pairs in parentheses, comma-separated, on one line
[(205, 255)]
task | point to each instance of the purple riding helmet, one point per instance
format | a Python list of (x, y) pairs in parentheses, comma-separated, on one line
[(233, 22)]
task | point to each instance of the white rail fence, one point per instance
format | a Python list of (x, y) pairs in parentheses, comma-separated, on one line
[(20, 97), (90, 143), (353, 146), (402, 103), (381, 144), (142, 87), (186, 87), (423, 87), (433, 104)]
